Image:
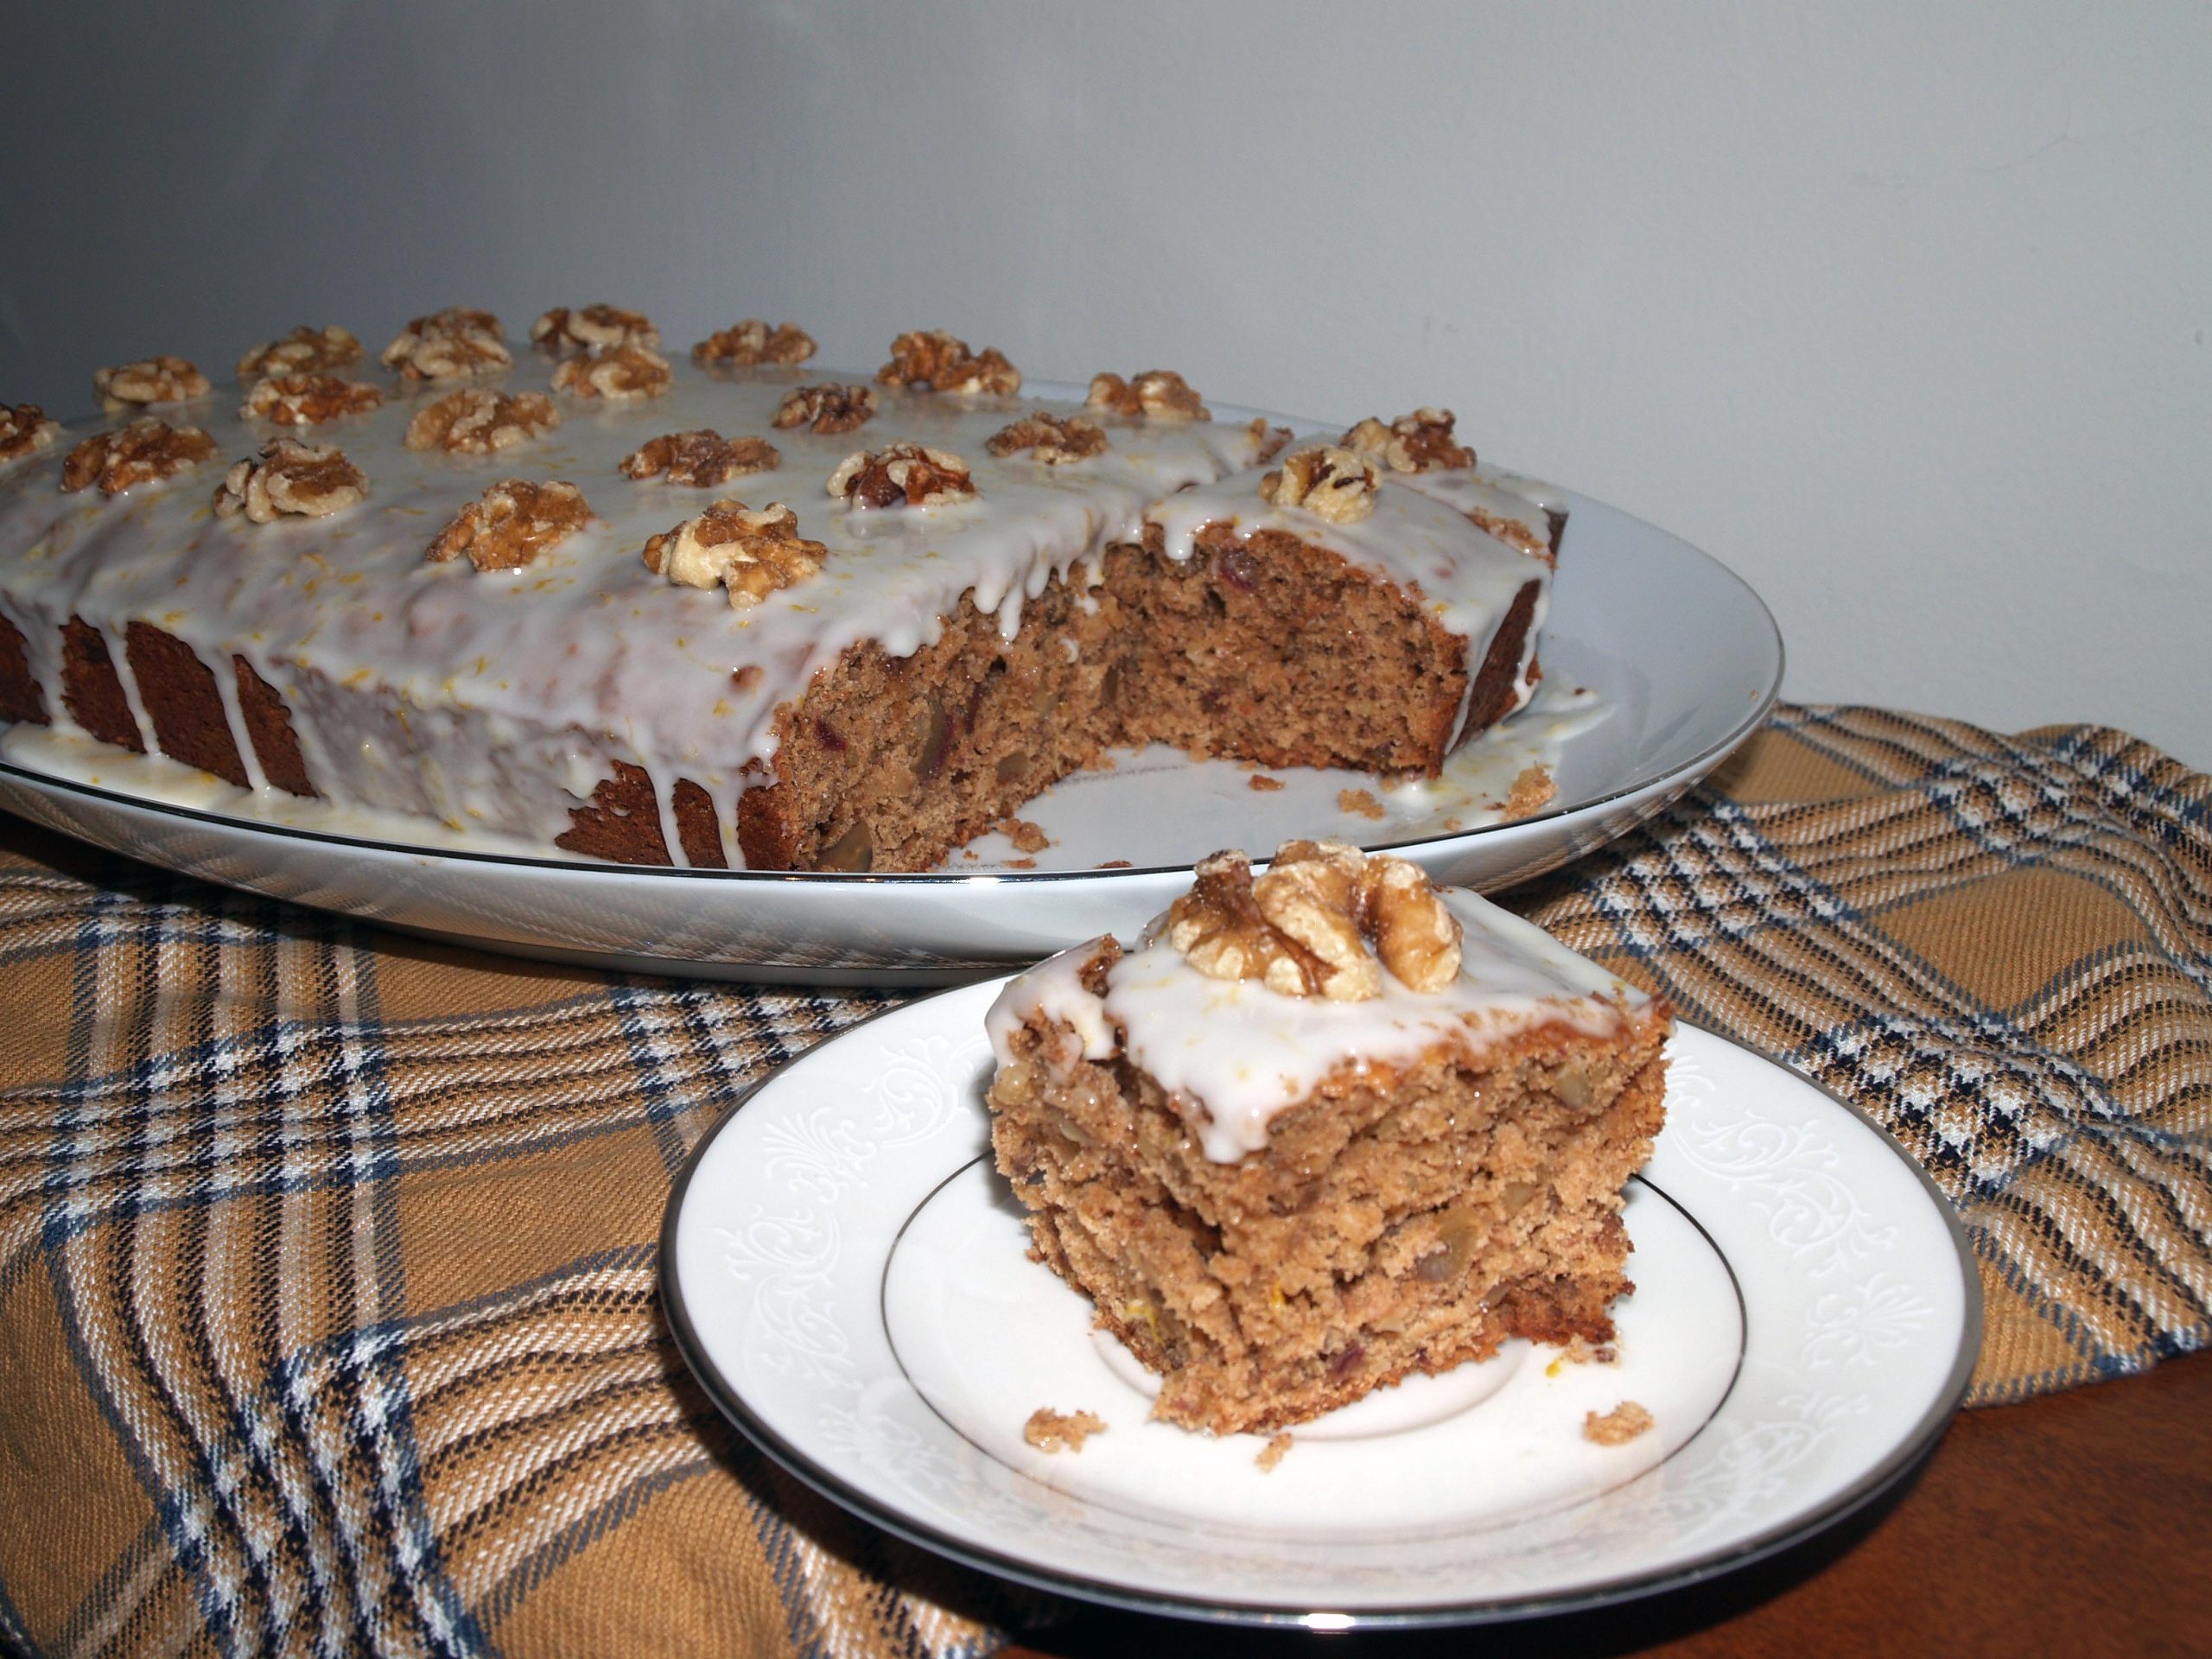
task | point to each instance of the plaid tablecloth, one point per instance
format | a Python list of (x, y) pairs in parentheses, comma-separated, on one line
[(326, 1256)]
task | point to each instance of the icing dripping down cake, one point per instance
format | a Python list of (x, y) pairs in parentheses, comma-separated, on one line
[(1324, 1128), (735, 612)]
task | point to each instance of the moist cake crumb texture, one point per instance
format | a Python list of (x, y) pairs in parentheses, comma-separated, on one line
[(1617, 1426), (1061, 1431), (1282, 1199)]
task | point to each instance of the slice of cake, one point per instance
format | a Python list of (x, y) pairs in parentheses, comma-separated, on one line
[(1325, 1127)]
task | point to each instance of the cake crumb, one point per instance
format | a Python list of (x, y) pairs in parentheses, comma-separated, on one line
[(1021, 864), (1617, 1428), (1273, 1452), (1265, 785), (1063, 1431), (1025, 834), (1358, 801), (1455, 824), (1579, 1350), (1113, 864), (1533, 789)]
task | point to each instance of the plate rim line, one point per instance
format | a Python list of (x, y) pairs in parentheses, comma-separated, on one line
[(1720, 1404), (1910, 1451)]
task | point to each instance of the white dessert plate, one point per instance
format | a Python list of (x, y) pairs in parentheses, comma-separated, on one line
[(848, 1277), (1658, 662)]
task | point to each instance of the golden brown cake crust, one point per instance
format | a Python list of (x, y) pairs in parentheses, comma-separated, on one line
[(268, 728), (91, 690)]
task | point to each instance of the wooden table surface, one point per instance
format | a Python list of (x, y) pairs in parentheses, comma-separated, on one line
[(2079, 1523)]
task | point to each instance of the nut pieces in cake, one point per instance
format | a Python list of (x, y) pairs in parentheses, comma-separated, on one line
[(1305, 927), (750, 553), (933, 360), (620, 374), (903, 475), (448, 345), (514, 522), (747, 345), (477, 420), (304, 351), (24, 430), (700, 458), (308, 398), (827, 409), (1155, 395), (1049, 439), (1331, 483), (144, 450), (564, 332), (1419, 443), (151, 380), (298, 480)]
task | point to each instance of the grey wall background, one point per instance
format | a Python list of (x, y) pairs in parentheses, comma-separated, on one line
[(1899, 309)]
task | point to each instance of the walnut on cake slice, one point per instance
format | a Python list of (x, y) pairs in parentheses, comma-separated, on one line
[(1322, 1128)]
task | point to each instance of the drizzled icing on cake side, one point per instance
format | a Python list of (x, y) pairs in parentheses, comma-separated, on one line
[(1234, 1054)]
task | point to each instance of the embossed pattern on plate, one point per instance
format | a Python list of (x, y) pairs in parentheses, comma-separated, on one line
[(1859, 1321)]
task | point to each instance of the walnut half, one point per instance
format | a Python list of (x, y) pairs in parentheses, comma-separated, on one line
[(514, 522), (1418, 442), (933, 360), (308, 398), (1049, 439), (448, 345), (1331, 483), (162, 380), (620, 374), (564, 330), (747, 345), (750, 553), (1306, 927), (477, 420), (827, 409), (700, 458), (903, 475), (298, 480), (24, 430), (304, 351), (1155, 395), (143, 451)]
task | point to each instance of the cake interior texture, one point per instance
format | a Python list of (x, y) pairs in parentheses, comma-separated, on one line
[(1287, 657), (1405, 1216)]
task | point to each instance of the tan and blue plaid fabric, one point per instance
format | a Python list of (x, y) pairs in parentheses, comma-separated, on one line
[(326, 1256)]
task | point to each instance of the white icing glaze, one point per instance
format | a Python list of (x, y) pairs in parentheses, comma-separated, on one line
[(495, 702), (1466, 490), (1234, 1054), (1053, 988), (1412, 539)]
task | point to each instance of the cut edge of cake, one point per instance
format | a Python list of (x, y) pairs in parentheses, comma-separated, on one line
[(1406, 1209)]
